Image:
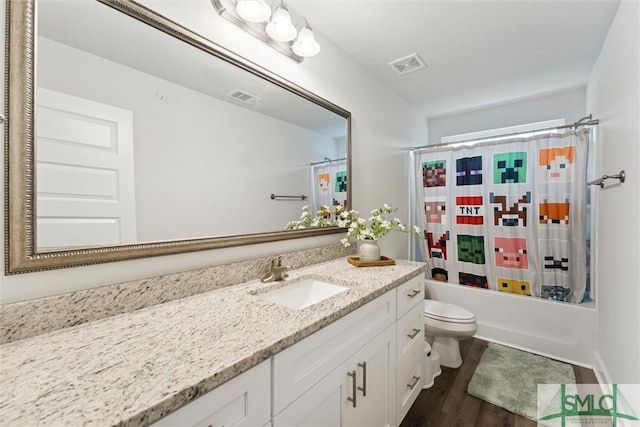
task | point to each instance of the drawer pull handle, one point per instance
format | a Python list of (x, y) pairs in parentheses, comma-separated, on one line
[(363, 389), (414, 333), (352, 374), (415, 382), (414, 293)]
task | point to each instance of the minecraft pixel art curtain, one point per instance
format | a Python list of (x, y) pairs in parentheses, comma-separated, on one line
[(507, 215), (328, 184)]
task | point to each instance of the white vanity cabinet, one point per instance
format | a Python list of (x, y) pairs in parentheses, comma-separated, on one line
[(243, 401), (364, 369), (410, 344), (317, 380)]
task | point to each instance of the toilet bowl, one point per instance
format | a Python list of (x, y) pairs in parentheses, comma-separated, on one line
[(444, 325)]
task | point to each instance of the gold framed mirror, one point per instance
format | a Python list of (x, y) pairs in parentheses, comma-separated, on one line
[(177, 199)]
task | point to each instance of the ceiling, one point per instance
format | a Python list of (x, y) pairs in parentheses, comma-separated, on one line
[(478, 53)]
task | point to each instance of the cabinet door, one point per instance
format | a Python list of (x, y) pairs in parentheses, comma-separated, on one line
[(375, 365), (243, 401), (323, 404)]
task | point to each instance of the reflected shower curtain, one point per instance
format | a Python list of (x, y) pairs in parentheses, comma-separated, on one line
[(507, 215), (328, 184)]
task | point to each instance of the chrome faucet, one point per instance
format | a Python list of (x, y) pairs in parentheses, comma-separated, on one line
[(278, 271)]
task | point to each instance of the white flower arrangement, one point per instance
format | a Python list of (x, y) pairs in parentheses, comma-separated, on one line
[(373, 228)]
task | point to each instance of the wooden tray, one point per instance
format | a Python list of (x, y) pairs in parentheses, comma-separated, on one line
[(354, 260)]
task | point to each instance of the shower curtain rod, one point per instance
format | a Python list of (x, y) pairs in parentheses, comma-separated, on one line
[(585, 121), (327, 160)]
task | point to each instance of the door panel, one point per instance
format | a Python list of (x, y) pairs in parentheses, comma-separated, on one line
[(84, 173), (377, 407), (322, 405)]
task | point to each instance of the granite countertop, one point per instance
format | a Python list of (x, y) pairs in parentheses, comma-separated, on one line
[(134, 368)]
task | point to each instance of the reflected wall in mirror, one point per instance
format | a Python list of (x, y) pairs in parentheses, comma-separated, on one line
[(133, 137)]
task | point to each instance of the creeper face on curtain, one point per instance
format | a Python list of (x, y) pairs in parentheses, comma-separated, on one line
[(341, 182), (510, 168)]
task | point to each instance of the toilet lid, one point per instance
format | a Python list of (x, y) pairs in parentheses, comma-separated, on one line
[(448, 312)]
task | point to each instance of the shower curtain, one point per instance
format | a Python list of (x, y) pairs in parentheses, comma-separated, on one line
[(328, 184), (507, 215)]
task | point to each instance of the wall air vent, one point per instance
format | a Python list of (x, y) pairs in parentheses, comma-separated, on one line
[(407, 64), (244, 97)]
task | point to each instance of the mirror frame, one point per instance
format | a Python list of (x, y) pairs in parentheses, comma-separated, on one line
[(21, 255)]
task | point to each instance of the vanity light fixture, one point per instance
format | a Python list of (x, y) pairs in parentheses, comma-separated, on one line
[(273, 24)]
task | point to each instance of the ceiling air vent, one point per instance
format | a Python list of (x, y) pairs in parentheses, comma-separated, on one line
[(407, 64), (244, 97)]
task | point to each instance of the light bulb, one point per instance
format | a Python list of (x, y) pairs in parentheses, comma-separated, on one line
[(253, 10), (306, 44), (280, 28)]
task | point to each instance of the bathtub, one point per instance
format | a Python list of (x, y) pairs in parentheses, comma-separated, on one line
[(561, 331)]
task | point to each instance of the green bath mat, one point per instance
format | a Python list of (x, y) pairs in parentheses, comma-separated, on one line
[(509, 378)]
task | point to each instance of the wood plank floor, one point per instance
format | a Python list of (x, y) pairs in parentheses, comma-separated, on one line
[(447, 403)]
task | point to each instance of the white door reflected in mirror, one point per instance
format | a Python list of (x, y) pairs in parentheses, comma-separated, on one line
[(84, 171)]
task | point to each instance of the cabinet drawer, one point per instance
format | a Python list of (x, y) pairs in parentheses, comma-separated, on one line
[(410, 381), (299, 367), (409, 294), (243, 401), (410, 335)]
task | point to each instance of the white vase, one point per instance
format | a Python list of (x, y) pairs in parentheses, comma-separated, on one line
[(369, 250)]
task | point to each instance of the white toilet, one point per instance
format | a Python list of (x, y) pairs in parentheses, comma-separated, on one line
[(444, 325)]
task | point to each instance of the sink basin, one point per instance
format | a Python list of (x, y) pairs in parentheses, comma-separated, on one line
[(303, 293)]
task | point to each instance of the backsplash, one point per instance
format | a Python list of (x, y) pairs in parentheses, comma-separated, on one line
[(39, 316)]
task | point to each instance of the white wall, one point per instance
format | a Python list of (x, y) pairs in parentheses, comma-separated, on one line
[(569, 105), (383, 127), (613, 97)]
